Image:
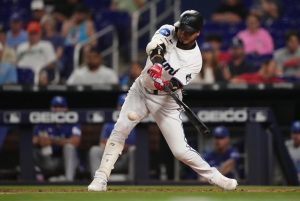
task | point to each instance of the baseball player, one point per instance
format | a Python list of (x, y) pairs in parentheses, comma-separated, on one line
[(174, 59)]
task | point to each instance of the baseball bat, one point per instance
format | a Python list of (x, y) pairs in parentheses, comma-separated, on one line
[(194, 119)]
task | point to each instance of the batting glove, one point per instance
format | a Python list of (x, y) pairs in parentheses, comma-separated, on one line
[(161, 86), (155, 71)]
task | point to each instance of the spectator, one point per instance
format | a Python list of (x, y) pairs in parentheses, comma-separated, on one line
[(288, 57), (257, 40), (268, 73), (230, 11), (35, 54), (216, 42), (211, 71), (38, 10), (293, 145), (267, 10), (79, 28), (56, 145), (8, 74), (50, 34), (224, 156), (238, 64), (16, 35), (96, 152), (8, 54), (127, 5), (134, 71), (94, 73)]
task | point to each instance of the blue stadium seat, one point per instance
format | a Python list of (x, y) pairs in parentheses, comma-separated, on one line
[(96, 5), (25, 76)]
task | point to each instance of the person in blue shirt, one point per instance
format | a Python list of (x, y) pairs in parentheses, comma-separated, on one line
[(224, 156), (96, 152), (16, 35), (8, 72), (56, 144)]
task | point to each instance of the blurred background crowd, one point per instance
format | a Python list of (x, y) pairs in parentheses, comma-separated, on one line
[(243, 42), (253, 41)]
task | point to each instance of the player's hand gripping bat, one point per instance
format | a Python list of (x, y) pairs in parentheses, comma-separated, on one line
[(199, 125)]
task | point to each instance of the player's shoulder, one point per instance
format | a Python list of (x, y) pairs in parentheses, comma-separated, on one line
[(166, 30)]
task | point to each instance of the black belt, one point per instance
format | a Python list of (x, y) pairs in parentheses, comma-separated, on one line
[(155, 92)]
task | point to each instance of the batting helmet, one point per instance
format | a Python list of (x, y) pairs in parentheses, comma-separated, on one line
[(190, 21)]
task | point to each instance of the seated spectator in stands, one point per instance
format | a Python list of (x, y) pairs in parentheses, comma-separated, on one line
[(216, 41), (268, 73), (8, 73), (211, 71), (8, 54), (79, 28), (56, 145), (38, 10), (96, 152), (238, 64), (293, 145), (230, 11), (35, 54), (257, 40), (267, 10), (224, 156), (288, 57), (16, 35), (135, 70), (94, 73), (50, 34), (129, 6)]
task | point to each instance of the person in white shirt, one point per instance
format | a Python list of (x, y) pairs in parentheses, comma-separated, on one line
[(35, 54), (94, 73)]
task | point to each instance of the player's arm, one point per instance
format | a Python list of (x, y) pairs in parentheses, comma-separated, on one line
[(228, 166), (156, 48), (75, 138)]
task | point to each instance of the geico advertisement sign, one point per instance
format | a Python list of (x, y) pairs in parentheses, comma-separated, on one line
[(53, 117), (229, 115)]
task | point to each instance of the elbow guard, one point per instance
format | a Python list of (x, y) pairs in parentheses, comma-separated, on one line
[(157, 54)]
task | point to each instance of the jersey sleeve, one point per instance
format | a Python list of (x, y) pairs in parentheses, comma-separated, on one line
[(36, 130), (234, 155), (162, 36), (76, 130)]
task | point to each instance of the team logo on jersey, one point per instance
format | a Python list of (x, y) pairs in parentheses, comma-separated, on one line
[(165, 32), (188, 77), (169, 69)]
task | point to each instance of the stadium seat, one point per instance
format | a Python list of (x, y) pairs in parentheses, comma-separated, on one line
[(25, 76)]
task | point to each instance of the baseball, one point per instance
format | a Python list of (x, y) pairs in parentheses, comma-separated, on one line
[(132, 116)]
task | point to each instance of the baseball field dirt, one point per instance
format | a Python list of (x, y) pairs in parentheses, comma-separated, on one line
[(147, 193)]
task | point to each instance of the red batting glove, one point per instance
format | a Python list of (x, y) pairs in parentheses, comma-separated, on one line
[(155, 71), (161, 86)]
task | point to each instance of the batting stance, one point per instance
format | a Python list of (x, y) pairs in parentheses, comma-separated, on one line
[(175, 58)]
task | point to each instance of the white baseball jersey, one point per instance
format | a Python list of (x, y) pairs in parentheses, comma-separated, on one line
[(181, 64)]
